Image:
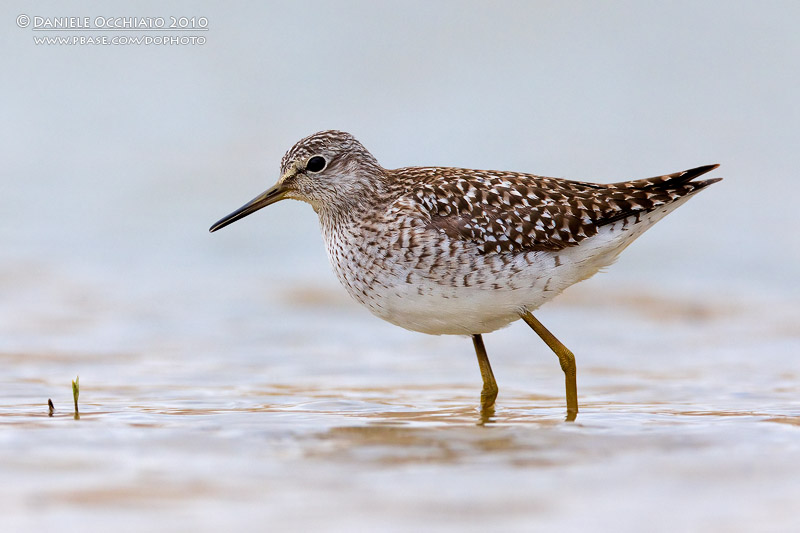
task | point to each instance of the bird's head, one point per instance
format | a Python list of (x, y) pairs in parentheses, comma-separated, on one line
[(330, 170)]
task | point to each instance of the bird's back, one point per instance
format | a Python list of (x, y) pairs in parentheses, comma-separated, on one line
[(507, 212)]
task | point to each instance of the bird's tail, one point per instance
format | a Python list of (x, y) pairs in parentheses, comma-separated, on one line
[(678, 180)]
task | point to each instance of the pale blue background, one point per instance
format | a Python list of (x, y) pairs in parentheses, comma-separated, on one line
[(119, 157)]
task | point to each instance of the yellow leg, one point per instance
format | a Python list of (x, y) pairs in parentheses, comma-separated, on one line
[(565, 357), (489, 391)]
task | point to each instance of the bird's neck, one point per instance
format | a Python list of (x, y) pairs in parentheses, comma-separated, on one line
[(348, 215), (352, 206)]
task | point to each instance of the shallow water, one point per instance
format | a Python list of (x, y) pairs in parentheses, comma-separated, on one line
[(685, 423)]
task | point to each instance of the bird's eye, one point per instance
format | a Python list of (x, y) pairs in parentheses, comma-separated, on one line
[(316, 164)]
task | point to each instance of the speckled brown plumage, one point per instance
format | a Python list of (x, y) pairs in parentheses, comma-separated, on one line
[(454, 250), (446, 250), (509, 212)]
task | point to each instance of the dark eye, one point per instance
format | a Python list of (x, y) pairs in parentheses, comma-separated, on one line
[(316, 163)]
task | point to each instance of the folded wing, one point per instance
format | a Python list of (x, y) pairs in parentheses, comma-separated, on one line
[(504, 212)]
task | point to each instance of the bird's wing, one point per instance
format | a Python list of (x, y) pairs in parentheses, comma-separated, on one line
[(509, 212)]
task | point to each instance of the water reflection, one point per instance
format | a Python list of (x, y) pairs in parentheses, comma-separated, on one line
[(364, 449)]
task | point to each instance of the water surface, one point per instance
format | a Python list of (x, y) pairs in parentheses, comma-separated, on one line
[(684, 423)]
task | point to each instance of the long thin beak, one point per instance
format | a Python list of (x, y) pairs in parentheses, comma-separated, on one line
[(274, 194)]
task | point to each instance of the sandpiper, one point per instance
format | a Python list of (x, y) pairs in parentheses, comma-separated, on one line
[(458, 251)]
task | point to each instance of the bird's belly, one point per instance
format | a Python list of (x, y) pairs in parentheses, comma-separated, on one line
[(454, 299), (446, 311), (461, 292)]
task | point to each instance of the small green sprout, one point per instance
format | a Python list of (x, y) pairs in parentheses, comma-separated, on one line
[(76, 390)]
